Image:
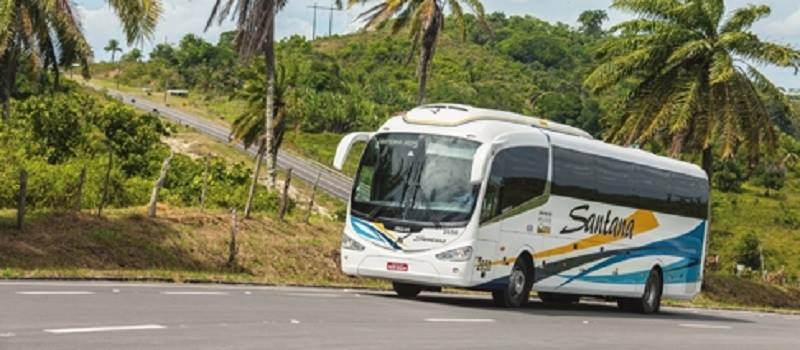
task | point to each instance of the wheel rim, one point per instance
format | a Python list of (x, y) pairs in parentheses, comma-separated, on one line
[(517, 282)]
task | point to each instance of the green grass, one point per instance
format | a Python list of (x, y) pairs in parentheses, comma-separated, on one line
[(179, 245), (775, 219)]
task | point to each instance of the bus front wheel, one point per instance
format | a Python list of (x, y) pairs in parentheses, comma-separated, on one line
[(405, 290), (650, 302), (518, 289)]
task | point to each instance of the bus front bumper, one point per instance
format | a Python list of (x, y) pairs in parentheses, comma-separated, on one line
[(406, 269)]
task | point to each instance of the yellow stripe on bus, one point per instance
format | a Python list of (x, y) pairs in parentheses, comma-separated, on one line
[(644, 221)]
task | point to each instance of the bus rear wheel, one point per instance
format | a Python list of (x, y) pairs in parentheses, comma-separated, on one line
[(518, 290), (650, 302), (406, 290)]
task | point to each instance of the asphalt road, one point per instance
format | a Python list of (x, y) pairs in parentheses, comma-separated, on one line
[(106, 315), (331, 181)]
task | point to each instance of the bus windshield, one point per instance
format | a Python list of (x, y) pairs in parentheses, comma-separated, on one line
[(416, 178)]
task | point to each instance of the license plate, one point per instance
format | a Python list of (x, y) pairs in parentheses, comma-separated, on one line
[(395, 266)]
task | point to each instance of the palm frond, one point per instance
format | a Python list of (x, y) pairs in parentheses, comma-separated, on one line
[(715, 10), (743, 18), (139, 17), (458, 16), (7, 18), (722, 69), (750, 47), (655, 9)]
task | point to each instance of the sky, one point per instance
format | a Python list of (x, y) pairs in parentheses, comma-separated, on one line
[(189, 16)]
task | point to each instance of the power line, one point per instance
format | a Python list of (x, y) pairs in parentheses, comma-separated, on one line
[(330, 18)]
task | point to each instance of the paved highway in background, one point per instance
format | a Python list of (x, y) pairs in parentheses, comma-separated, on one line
[(331, 181), (111, 315)]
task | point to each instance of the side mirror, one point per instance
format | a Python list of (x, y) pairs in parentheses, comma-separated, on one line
[(482, 155), (346, 144)]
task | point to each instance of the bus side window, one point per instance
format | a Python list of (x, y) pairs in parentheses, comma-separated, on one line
[(491, 198), (517, 176)]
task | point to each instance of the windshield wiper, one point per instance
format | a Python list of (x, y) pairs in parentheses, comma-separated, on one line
[(373, 214), (418, 190)]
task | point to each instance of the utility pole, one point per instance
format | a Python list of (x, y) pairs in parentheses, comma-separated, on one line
[(330, 18), (314, 25)]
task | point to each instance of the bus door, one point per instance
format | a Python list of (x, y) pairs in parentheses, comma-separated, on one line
[(515, 192)]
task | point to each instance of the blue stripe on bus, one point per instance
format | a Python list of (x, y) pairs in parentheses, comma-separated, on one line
[(366, 230), (688, 247)]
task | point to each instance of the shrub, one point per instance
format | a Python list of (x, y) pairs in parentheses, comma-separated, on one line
[(749, 252), (729, 176), (772, 177)]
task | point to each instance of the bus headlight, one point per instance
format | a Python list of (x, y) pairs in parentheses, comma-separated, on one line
[(459, 254), (351, 244)]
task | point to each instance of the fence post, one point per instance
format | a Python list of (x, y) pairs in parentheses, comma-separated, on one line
[(232, 250), (23, 192), (311, 200), (151, 212), (79, 192), (106, 183), (205, 186), (285, 195)]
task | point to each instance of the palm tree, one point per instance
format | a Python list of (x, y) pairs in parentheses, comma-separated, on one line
[(425, 20), (49, 31), (113, 47), (689, 76), (255, 34), (248, 127)]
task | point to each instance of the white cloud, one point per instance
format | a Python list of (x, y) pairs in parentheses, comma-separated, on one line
[(788, 27)]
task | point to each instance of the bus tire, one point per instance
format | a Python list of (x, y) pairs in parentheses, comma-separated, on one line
[(650, 302), (406, 290), (558, 298), (518, 290)]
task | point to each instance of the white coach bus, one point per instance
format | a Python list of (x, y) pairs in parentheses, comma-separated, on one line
[(452, 195)]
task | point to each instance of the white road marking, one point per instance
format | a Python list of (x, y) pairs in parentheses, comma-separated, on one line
[(194, 293), (7, 335), (293, 321), (704, 326), (247, 292), (319, 295), (56, 292), (461, 320), (105, 329), (792, 318)]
